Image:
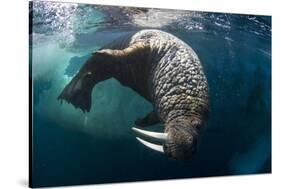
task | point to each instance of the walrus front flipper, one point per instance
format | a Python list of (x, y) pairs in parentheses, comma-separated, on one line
[(150, 119)]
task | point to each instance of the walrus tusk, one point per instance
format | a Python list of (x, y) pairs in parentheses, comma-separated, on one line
[(162, 137), (155, 147)]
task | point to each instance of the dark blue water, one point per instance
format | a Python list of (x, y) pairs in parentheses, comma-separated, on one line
[(70, 147)]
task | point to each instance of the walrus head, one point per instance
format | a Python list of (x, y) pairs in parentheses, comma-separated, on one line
[(179, 140), (182, 138)]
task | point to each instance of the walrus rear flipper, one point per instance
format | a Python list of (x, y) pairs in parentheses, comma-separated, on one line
[(78, 93), (102, 65)]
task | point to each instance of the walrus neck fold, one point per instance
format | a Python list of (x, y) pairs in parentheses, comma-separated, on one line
[(193, 122)]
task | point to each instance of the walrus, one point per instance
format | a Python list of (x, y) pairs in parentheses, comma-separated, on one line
[(162, 69)]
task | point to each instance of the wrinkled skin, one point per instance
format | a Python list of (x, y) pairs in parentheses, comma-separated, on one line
[(162, 69)]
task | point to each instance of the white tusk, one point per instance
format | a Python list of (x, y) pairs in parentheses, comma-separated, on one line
[(154, 135), (155, 147)]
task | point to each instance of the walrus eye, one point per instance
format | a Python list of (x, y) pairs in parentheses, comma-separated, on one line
[(88, 75), (196, 124)]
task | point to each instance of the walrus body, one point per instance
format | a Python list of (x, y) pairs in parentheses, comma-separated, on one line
[(165, 71)]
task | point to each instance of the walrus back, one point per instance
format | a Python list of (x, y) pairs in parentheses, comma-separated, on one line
[(178, 84), (121, 42)]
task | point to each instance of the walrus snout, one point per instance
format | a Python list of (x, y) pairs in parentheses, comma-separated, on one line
[(179, 140), (181, 143), (78, 92)]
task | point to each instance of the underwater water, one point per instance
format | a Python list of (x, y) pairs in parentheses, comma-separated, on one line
[(71, 148)]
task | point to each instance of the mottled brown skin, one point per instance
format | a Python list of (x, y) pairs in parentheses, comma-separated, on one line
[(162, 69)]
